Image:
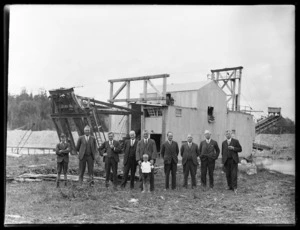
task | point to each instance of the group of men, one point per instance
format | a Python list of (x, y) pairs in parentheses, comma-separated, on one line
[(134, 150)]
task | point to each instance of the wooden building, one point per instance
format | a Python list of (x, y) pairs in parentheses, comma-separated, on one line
[(188, 108)]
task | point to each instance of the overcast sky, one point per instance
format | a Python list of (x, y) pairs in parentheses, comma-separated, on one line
[(53, 46)]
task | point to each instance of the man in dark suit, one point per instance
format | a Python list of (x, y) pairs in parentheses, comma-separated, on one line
[(190, 156), (230, 149), (147, 146), (62, 151), (112, 150), (209, 152), (129, 160), (87, 148), (169, 152)]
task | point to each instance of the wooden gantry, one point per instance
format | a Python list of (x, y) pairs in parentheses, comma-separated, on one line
[(231, 79), (126, 83)]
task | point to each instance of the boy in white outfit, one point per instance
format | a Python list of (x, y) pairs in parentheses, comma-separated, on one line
[(146, 168)]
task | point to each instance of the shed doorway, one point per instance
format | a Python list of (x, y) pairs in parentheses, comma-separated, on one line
[(157, 139)]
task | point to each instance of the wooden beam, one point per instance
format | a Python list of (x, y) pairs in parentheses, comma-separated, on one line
[(139, 99), (233, 97), (151, 84), (164, 91), (116, 112), (128, 90), (239, 89), (225, 84), (111, 92), (226, 69), (119, 90), (68, 115), (107, 111), (229, 99), (139, 78), (145, 89), (110, 105), (129, 117)]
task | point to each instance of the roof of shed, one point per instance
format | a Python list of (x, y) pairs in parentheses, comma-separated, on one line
[(177, 87)]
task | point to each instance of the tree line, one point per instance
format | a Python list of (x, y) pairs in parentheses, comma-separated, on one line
[(25, 109)]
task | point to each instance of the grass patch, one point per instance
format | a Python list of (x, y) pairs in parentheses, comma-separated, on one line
[(262, 198)]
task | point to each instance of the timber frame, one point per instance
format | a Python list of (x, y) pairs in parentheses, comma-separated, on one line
[(126, 83), (231, 79), (68, 107)]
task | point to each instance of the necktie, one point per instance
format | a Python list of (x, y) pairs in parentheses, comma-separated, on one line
[(146, 141), (190, 145), (87, 138), (131, 142)]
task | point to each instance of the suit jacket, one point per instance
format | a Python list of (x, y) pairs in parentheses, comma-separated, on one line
[(127, 149), (209, 151), (64, 156), (149, 149), (82, 144), (169, 152), (114, 152), (185, 150), (234, 153)]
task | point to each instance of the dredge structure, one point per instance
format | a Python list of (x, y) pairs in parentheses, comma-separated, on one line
[(70, 110)]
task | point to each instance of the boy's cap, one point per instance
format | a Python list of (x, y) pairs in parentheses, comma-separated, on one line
[(62, 135)]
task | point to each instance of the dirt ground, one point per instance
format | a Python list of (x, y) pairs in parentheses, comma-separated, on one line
[(264, 198)]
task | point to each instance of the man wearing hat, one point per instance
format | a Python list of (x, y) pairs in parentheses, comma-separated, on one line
[(62, 151), (87, 148), (209, 152)]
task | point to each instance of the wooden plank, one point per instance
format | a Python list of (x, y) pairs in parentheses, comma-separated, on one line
[(164, 91), (226, 69), (111, 92), (239, 89), (139, 78), (111, 105), (119, 90), (116, 112), (145, 89), (139, 99), (68, 115), (53, 176), (151, 84)]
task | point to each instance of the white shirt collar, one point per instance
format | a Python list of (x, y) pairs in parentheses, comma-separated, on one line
[(208, 141), (229, 140)]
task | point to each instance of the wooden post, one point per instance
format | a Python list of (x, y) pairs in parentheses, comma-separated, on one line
[(234, 105), (164, 123), (239, 90), (145, 90), (164, 91), (142, 121), (129, 106), (111, 93)]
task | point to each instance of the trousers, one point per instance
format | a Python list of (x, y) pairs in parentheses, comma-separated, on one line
[(207, 165), (82, 164), (172, 167), (189, 167), (111, 163), (231, 168), (130, 166)]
